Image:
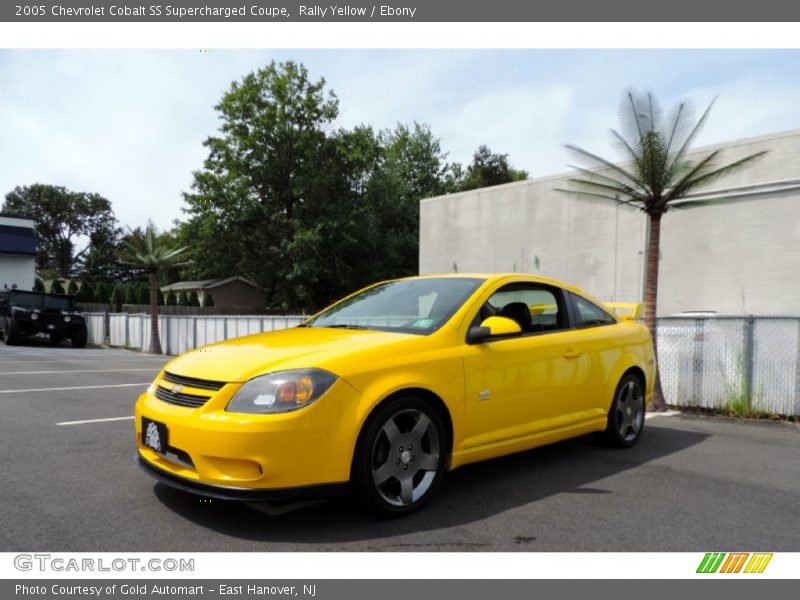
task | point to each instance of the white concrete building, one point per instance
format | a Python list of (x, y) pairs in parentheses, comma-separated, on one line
[(17, 251), (733, 247)]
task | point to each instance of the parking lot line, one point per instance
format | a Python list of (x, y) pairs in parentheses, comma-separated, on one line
[(96, 421), (82, 387)]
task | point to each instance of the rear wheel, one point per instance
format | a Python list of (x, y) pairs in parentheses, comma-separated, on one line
[(399, 461), (626, 416), (79, 336), (13, 334)]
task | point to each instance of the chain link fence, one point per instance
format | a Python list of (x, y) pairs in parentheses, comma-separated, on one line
[(720, 362), (707, 362)]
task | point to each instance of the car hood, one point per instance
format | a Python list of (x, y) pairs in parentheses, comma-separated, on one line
[(240, 359)]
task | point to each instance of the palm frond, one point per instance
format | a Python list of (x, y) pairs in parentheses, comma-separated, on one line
[(587, 194), (620, 186), (602, 162), (690, 138), (690, 183)]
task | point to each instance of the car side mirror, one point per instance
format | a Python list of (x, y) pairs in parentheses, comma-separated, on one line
[(492, 327)]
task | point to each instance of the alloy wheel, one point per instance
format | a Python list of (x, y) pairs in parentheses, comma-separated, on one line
[(630, 411), (405, 457)]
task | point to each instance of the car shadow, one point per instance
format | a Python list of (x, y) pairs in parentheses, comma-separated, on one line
[(468, 494)]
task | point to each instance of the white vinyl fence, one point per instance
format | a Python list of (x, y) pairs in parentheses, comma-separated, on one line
[(180, 333), (704, 362)]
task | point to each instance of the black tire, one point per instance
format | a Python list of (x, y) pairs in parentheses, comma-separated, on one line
[(56, 338), (626, 415), (412, 466), (13, 334), (78, 338)]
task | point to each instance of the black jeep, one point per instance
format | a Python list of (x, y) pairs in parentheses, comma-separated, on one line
[(24, 314)]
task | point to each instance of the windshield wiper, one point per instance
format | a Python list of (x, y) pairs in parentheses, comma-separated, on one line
[(344, 326)]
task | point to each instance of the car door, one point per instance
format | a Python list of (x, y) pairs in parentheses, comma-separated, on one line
[(521, 384), (599, 340)]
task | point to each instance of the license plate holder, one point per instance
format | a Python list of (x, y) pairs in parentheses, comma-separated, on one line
[(154, 435)]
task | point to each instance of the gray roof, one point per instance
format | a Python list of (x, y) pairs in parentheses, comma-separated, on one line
[(206, 284)]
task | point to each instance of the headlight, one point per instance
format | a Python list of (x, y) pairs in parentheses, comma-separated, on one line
[(281, 391), (34, 316), (67, 319)]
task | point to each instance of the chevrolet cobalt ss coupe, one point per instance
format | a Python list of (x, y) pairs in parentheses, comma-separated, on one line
[(389, 388)]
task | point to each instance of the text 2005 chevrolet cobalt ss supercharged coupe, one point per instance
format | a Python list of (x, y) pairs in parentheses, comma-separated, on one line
[(389, 388)]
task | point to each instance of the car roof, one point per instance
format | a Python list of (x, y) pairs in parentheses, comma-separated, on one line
[(493, 277)]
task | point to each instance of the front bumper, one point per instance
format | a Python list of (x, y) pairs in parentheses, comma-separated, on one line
[(226, 454), (237, 494)]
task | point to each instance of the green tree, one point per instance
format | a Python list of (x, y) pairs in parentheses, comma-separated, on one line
[(145, 253), (259, 172), (117, 297), (38, 284), (170, 299), (183, 299), (61, 218), (56, 287), (72, 288), (192, 299), (160, 297), (143, 293), (85, 293), (209, 300), (102, 293), (656, 174), (131, 292), (486, 169)]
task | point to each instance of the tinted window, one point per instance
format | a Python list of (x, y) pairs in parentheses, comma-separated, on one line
[(26, 299), (536, 308), (409, 305), (589, 314)]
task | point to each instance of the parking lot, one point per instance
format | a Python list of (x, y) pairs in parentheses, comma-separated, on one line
[(70, 483)]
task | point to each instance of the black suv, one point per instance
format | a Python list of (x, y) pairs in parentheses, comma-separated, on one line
[(24, 314)]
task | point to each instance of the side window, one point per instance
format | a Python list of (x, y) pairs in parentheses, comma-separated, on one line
[(589, 314), (536, 308)]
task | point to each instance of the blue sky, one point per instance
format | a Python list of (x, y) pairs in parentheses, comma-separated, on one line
[(129, 124)]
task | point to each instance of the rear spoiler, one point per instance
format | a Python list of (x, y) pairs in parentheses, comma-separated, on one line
[(627, 310)]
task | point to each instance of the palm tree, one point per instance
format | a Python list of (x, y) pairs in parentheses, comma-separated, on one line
[(144, 250), (655, 174)]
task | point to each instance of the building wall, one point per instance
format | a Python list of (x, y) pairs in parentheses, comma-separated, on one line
[(734, 247), (238, 293), (17, 270)]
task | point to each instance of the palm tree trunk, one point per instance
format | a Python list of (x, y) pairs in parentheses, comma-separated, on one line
[(651, 300), (155, 340)]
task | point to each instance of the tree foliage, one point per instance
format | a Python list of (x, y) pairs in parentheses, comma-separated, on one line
[(487, 168), (306, 211), (62, 217)]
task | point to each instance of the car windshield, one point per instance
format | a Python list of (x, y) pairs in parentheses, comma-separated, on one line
[(60, 302), (35, 300), (25, 299), (409, 305)]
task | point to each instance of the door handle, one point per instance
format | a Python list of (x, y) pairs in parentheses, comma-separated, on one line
[(570, 353)]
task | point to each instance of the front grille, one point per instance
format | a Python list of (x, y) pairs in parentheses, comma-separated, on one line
[(50, 317), (181, 399), (203, 384)]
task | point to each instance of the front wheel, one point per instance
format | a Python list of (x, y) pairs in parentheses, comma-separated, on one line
[(400, 458), (78, 337), (626, 416), (13, 334)]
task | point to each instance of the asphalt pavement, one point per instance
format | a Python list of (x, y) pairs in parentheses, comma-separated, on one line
[(69, 483)]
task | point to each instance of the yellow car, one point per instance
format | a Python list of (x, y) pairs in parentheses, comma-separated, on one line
[(389, 388)]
